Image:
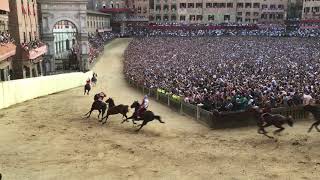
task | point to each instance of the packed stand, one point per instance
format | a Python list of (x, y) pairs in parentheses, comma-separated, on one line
[(97, 42), (32, 45), (228, 73), (195, 30), (5, 38)]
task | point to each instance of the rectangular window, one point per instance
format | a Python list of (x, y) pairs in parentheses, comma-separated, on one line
[(210, 17), (226, 17), (264, 6), (190, 5), (229, 5), (182, 18), (215, 5), (248, 5), (239, 5), (199, 17), (208, 5), (183, 5), (192, 17), (198, 5)]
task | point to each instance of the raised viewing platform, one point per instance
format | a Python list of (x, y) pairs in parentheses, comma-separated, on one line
[(34, 53), (104, 29), (115, 10), (7, 50)]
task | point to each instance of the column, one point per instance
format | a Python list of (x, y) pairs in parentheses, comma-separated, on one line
[(41, 68), (23, 73), (5, 71), (36, 69), (30, 70)]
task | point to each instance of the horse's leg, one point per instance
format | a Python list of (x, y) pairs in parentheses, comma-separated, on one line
[(314, 124), (106, 119), (126, 118), (158, 118), (261, 129), (99, 113), (103, 111), (268, 136), (90, 113), (143, 124), (279, 130)]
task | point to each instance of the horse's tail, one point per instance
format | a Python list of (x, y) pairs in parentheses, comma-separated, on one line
[(289, 121)]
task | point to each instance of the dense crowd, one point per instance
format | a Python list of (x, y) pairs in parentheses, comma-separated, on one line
[(187, 32), (32, 45), (5, 38), (97, 42), (228, 73)]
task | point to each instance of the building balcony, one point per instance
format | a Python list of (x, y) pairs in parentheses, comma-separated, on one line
[(272, 10), (104, 29), (115, 10), (7, 50), (34, 53)]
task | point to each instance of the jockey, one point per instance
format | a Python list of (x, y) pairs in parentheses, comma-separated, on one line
[(143, 107), (88, 81), (99, 96)]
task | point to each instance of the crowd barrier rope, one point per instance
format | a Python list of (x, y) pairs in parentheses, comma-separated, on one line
[(223, 120)]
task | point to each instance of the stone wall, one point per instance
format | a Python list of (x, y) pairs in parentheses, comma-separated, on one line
[(17, 91)]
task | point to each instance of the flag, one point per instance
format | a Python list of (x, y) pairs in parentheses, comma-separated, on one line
[(29, 12), (34, 11), (23, 10)]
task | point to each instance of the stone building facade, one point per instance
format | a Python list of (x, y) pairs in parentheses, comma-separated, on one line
[(7, 47), (24, 28), (311, 10), (218, 11), (98, 22), (73, 11)]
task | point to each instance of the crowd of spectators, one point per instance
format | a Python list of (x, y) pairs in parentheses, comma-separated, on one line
[(5, 38), (228, 73), (97, 42), (32, 45)]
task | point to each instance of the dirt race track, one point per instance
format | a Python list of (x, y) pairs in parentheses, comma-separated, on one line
[(48, 138)]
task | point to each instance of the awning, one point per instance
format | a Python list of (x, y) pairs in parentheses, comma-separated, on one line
[(4, 5), (7, 50)]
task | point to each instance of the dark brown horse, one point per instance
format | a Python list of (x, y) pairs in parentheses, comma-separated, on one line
[(87, 88), (113, 109), (145, 117), (99, 106), (267, 119), (315, 111)]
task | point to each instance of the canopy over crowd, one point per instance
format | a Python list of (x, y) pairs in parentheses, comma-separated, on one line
[(228, 73)]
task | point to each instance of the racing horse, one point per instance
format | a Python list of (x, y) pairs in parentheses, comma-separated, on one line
[(145, 117), (113, 109), (97, 105), (87, 88), (94, 79), (277, 120), (315, 111)]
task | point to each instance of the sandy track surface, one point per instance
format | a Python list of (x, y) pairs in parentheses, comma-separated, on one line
[(48, 138)]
